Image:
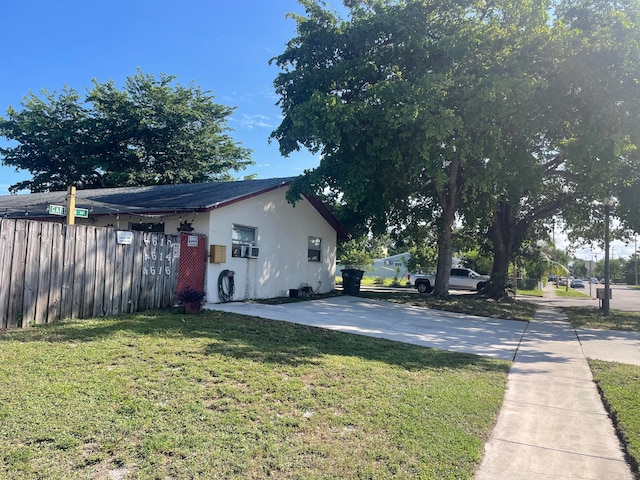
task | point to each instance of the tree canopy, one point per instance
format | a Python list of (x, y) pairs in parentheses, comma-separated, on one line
[(152, 132), (497, 115)]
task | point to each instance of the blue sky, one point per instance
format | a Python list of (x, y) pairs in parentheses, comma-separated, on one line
[(223, 46)]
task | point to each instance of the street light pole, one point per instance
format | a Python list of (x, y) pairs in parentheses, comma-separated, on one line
[(606, 305)]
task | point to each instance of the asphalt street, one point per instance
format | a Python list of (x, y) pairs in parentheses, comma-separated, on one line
[(623, 297)]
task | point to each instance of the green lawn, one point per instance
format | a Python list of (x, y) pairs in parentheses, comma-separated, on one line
[(163, 395), (563, 292), (465, 303), (619, 384), (620, 388), (588, 317), (530, 293)]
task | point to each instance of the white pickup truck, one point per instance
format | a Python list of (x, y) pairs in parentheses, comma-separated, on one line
[(459, 279)]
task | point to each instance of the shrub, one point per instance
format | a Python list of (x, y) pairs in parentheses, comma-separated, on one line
[(190, 295)]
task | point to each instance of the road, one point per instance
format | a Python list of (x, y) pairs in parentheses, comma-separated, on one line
[(623, 297)]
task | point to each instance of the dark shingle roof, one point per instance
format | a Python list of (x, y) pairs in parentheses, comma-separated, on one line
[(154, 199)]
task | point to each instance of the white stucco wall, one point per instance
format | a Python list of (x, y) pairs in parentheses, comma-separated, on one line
[(283, 232)]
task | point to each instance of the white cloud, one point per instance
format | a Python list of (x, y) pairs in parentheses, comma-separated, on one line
[(252, 121)]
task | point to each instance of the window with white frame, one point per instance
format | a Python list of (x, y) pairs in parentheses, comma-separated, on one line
[(242, 236), (313, 249)]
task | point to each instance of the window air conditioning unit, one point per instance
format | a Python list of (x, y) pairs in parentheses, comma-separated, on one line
[(249, 251)]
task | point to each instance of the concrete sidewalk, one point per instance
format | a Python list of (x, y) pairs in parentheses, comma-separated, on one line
[(552, 423), (608, 345)]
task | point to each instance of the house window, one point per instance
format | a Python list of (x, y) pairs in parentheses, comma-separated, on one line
[(242, 236), (313, 249)]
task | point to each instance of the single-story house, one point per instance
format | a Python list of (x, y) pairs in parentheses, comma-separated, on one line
[(394, 266), (270, 245)]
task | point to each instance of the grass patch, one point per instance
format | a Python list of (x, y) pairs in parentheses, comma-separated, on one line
[(470, 304), (217, 395), (384, 281), (530, 293), (581, 317), (563, 292), (619, 385)]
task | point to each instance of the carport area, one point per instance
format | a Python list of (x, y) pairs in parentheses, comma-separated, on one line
[(456, 332)]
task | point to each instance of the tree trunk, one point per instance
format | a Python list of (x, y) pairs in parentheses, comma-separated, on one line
[(449, 204), (500, 272), (506, 235), (445, 256)]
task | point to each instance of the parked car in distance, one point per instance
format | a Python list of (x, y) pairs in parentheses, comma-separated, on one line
[(577, 283), (593, 280), (459, 279)]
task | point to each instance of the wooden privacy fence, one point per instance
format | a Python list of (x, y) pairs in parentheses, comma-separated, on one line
[(50, 271)]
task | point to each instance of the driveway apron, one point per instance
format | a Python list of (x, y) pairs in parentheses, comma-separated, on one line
[(552, 423)]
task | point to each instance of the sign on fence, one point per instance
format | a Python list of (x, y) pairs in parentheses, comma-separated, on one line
[(124, 237)]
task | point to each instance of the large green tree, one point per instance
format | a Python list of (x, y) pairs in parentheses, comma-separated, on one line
[(153, 131), (407, 101), (599, 86), (497, 114), (579, 139)]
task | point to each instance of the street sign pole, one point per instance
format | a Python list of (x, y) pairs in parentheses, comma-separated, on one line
[(71, 206)]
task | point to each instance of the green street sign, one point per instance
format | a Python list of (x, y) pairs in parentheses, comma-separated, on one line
[(81, 212), (60, 210), (57, 210)]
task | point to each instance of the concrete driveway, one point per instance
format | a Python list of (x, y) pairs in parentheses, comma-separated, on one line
[(490, 337)]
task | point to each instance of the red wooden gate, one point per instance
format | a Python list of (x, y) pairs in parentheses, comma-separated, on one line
[(193, 261)]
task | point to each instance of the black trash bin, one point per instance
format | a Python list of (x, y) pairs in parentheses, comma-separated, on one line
[(351, 281)]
